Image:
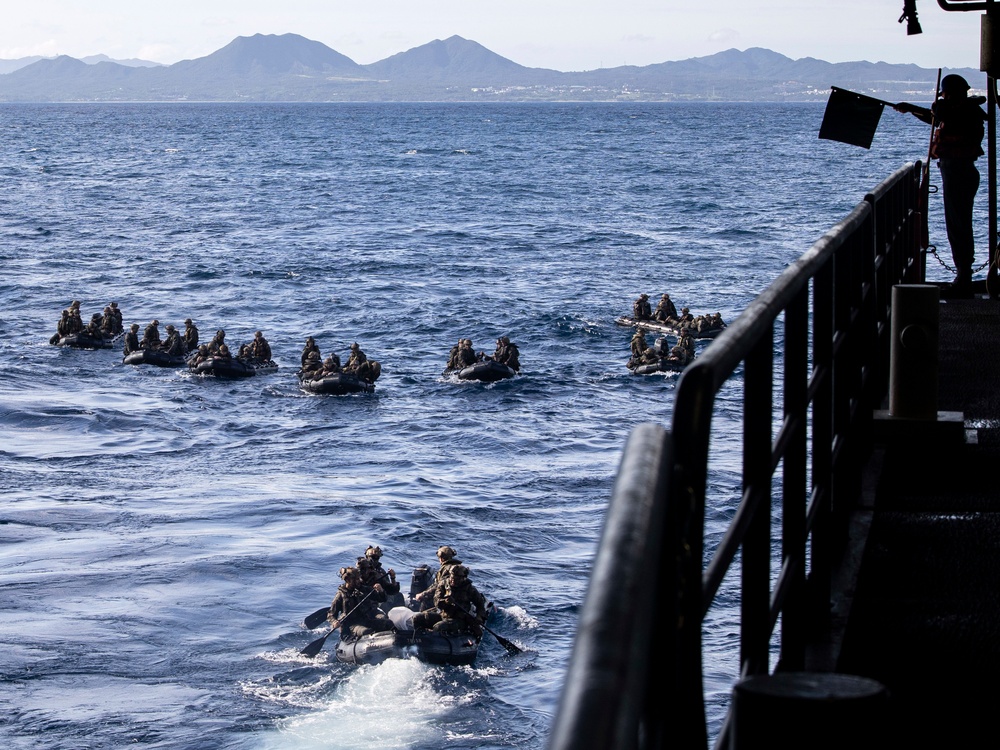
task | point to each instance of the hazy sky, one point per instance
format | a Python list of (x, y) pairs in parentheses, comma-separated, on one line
[(559, 34)]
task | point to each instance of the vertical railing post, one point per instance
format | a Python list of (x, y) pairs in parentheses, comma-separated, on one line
[(758, 415), (794, 490)]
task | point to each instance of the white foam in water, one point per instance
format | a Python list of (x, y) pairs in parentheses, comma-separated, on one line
[(388, 706)]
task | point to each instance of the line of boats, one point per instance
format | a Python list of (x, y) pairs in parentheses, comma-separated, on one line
[(485, 370)]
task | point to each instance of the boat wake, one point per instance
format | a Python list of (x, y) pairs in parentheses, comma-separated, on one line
[(401, 703)]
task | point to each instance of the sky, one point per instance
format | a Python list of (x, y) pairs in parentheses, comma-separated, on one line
[(566, 35)]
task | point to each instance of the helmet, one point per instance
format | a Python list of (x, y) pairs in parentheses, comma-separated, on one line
[(155, 323), (169, 327), (258, 334), (203, 349), (375, 552), (312, 355), (446, 553), (114, 304), (223, 349), (685, 309), (355, 346), (187, 321), (364, 563), (643, 296), (135, 326), (505, 340), (349, 573), (459, 571), (953, 83)]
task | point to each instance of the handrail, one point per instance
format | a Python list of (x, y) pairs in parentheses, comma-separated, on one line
[(630, 686)]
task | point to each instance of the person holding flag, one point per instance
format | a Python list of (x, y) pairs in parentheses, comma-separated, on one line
[(958, 120)]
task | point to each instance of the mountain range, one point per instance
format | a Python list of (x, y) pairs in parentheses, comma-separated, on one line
[(291, 68)]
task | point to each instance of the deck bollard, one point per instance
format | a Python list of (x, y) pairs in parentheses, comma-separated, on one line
[(913, 356), (813, 710)]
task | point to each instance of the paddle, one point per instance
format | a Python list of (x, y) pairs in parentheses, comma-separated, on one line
[(316, 646), (317, 618), (511, 648)]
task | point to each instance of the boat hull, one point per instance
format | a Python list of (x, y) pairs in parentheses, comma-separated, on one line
[(83, 341), (487, 371), (671, 330), (337, 384), (231, 369), (455, 649), (156, 357)]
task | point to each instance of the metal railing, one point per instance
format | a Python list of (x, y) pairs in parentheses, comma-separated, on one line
[(635, 676)]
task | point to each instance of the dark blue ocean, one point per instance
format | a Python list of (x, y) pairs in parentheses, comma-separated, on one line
[(162, 536)]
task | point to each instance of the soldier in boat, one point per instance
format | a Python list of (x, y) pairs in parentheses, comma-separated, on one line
[(378, 574), (174, 345), (190, 335), (641, 309), (446, 559), (665, 309), (507, 353), (132, 339), (355, 606), (312, 367), (458, 605), (217, 342), (259, 348), (311, 346), (638, 347), (151, 336)]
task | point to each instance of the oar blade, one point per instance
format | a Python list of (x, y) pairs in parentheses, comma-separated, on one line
[(315, 647), (317, 618), (511, 647)]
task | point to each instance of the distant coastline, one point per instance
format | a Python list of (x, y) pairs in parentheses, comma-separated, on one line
[(292, 68)]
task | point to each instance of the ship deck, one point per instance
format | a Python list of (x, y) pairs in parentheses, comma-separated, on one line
[(920, 592)]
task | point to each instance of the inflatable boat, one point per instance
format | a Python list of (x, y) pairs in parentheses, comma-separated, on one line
[(336, 384), (486, 371), (232, 367), (157, 357)]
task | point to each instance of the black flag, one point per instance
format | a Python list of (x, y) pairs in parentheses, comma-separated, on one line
[(851, 118)]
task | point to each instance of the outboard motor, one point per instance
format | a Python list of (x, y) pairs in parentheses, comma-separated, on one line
[(661, 346), (421, 580)]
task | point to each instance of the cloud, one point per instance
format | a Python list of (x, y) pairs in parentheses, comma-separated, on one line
[(48, 48), (727, 36)]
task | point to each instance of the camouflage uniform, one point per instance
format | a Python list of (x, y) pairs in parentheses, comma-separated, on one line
[(360, 616), (151, 336), (311, 346), (190, 335), (641, 309), (458, 605), (665, 309), (446, 556), (174, 345), (260, 348), (132, 339)]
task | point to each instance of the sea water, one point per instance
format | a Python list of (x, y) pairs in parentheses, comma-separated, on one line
[(163, 535)]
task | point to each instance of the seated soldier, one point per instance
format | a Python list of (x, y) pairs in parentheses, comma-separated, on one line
[(458, 605), (132, 339), (260, 348), (151, 336), (641, 309), (665, 309), (311, 367), (174, 345), (355, 607)]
